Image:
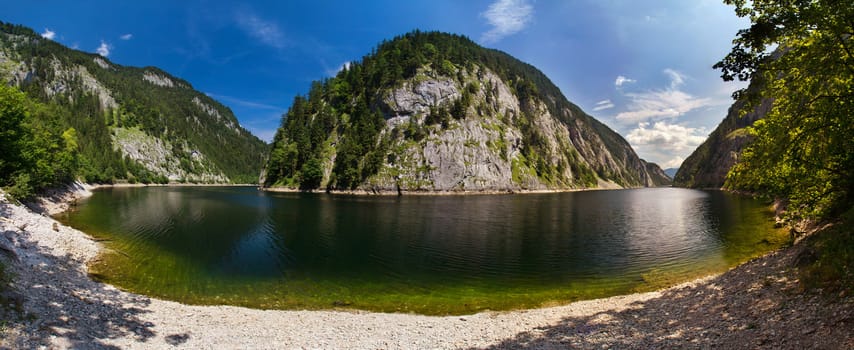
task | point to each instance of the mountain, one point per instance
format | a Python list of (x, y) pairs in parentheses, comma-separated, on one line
[(134, 124), (430, 111), (708, 165), (671, 172)]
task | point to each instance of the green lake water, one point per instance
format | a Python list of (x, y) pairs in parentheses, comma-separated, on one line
[(422, 254)]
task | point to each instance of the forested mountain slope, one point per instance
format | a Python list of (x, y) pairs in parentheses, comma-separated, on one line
[(708, 165), (134, 124), (430, 111)]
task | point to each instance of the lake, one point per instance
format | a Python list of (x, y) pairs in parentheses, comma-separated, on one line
[(422, 254)]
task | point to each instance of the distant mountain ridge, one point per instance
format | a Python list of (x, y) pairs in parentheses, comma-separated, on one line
[(671, 172), (435, 112), (134, 124)]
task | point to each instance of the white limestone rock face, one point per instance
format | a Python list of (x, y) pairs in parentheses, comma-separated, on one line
[(157, 79), (483, 149), (418, 96), (100, 62), (465, 120), (475, 152), (213, 112), (159, 157), (63, 77), (462, 160)]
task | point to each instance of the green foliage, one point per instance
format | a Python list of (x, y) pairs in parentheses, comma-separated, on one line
[(177, 114), (447, 68), (37, 153), (438, 115), (460, 106), (802, 150), (357, 90), (312, 174), (827, 260), (12, 130), (520, 170), (414, 131), (353, 92), (582, 173), (708, 165)]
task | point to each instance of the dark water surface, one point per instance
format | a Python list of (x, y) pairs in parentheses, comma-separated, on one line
[(425, 254)]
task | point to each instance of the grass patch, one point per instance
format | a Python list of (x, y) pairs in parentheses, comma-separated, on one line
[(498, 146), (520, 170), (741, 132)]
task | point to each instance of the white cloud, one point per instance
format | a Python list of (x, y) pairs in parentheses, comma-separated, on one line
[(334, 71), (662, 104), (669, 137), (264, 31), (604, 104), (506, 17), (666, 144), (623, 80), (103, 49), (676, 78), (48, 34), (127, 36)]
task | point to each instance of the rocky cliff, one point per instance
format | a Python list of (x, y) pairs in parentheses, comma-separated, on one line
[(136, 124), (435, 112), (708, 165)]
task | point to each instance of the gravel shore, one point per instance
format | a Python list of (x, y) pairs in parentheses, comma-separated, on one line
[(54, 304)]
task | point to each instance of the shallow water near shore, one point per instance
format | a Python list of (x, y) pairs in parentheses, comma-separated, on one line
[(422, 254)]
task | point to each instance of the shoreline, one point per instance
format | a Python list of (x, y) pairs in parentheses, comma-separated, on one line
[(441, 193), (57, 200), (737, 308)]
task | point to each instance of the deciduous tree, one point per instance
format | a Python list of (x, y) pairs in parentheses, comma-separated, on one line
[(804, 148)]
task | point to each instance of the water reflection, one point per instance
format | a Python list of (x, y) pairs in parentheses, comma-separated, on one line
[(191, 237)]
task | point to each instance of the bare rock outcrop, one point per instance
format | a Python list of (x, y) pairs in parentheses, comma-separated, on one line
[(418, 96), (178, 133), (451, 125), (157, 79), (158, 157)]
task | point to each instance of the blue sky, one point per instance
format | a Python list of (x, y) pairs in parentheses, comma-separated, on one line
[(641, 67)]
